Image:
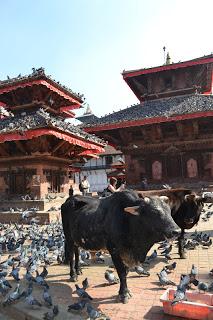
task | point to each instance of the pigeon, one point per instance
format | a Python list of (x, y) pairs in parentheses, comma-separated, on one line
[(179, 295), (194, 271), (15, 273), (167, 250), (13, 296), (47, 297), (3, 288), (40, 280), (152, 257), (79, 306), (163, 278), (110, 277), (85, 284), (171, 267), (51, 314), (140, 271), (202, 286), (82, 293), (6, 282), (92, 312), (44, 273), (210, 287), (207, 243), (29, 277), (32, 301)]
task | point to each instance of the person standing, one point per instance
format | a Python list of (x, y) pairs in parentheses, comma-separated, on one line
[(85, 186)]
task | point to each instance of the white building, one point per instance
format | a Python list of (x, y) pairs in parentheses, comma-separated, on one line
[(96, 169)]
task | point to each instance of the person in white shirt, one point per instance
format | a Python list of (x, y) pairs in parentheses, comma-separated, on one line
[(85, 185)]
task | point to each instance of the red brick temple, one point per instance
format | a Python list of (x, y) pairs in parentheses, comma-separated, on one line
[(38, 147), (168, 136)]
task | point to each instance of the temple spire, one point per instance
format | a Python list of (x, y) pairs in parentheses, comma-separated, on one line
[(88, 110), (168, 58)]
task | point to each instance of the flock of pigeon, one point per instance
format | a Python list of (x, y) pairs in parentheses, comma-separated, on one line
[(30, 248)]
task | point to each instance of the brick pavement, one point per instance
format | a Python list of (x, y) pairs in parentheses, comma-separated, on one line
[(145, 303)]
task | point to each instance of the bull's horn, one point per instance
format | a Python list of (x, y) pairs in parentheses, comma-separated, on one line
[(146, 199), (164, 198), (132, 210)]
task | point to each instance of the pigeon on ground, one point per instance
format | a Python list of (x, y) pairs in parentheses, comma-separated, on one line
[(85, 284), (44, 273), (47, 297), (152, 257), (171, 267), (32, 301), (167, 250), (82, 293), (79, 306), (110, 277), (92, 312), (194, 271), (15, 273), (163, 278), (14, 296), (51, 314), (141, 272)]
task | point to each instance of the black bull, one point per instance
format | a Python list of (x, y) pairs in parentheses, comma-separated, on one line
[(124, 224)]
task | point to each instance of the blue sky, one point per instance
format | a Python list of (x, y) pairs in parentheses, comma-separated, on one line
[(86, 44)]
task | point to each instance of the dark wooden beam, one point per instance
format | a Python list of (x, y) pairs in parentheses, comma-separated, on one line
[(58, 146), (20, 146), (126, 137), (145, 134), (159, 132), (195, 128), (179, 127), (3, 152)]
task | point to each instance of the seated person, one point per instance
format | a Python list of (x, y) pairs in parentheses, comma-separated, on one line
[(112, 186)]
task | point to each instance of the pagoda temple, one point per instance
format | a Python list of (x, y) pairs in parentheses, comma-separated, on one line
[(39, 148), (168, 136)]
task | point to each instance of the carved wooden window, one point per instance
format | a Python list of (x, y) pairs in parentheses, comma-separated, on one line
[(157, 170), (192, 170)]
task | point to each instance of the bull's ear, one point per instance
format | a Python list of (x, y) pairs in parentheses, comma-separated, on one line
[(190, 197), (165, 199), (132, 210)]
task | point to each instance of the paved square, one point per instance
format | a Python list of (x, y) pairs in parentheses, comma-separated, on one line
[(145, 303)]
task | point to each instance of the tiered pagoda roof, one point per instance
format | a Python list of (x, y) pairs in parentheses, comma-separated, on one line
[(172, 92), (36, 105), (22, 127), (31, 90), (154, 111)]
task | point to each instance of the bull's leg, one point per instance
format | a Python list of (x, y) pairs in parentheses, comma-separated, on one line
[(73, 275), (181, 250), (77, 265), (122, 271), (66, 253)]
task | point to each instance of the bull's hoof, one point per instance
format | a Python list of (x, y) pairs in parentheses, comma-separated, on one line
[(129, 294), (79, 272), (123, 299), (183, 256), (73, 278)]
